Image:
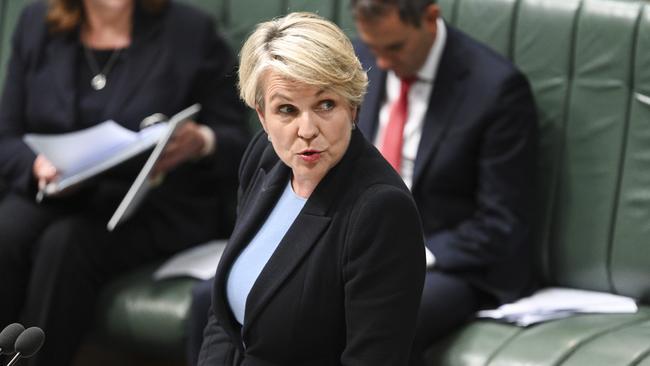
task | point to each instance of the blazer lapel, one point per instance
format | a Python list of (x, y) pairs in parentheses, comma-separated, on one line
[(264, 194), (445, 99), (303, 234)]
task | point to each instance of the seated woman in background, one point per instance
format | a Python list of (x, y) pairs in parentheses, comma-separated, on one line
[(325, 265), (75, 64)]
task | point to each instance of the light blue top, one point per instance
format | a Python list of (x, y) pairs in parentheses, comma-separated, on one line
[(253, 258)]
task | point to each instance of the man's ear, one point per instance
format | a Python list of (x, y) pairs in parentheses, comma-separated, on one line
[(430, 17)]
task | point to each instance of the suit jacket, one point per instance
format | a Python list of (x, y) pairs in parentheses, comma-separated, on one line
[(344, 284), (175, 59), (474, 168)]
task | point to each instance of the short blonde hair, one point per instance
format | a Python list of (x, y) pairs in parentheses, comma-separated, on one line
[(302, 47)]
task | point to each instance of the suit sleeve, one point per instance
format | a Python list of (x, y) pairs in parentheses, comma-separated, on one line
[(224, 114), (383, 275), (16, 158), (506, 169), (216, 349), (222, 111)]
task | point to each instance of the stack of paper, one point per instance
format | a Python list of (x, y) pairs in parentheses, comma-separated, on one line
[(80, 155), (555, 303), (198, 262)]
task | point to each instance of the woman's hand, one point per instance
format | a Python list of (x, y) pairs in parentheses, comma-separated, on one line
[(44, 171), (186, 144)]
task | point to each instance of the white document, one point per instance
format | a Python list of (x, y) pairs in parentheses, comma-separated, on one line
[(83, 154), (554, 302), (429, 258), (198, 262), (143, 183), (642, 98)]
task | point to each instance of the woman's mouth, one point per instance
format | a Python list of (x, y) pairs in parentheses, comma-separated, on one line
[(310, 156)]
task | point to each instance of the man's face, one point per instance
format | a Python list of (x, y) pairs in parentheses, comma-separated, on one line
[(399, 46)]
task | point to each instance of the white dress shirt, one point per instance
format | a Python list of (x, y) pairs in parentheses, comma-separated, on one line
[(418, 102)]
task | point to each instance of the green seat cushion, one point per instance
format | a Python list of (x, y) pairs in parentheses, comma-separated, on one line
[(473, 345), (594, 340), (136, 313)]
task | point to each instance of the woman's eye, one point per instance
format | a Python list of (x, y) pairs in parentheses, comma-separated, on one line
[(326, 105), (286, 109)]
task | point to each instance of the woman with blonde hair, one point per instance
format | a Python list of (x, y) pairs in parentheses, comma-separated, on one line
[(325, 265)]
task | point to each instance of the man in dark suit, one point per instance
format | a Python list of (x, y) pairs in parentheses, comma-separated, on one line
[(458, 122)]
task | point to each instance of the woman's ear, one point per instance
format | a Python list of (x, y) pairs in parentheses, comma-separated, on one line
[(260, 115)]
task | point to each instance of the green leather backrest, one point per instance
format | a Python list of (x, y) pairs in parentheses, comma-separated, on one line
[(488, 21), (448, 10), (543, 50), (585, 59), (578, 56), (9, 12), (216, 8), (243, 15), (630, 257), (594, 140)]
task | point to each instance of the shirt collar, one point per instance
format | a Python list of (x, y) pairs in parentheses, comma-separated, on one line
[(427, 72)]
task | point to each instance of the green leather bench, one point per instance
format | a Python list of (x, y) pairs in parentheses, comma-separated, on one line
[(589, 65)]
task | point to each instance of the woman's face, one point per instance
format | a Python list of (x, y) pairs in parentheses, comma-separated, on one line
[(110, 4), (310, 128)]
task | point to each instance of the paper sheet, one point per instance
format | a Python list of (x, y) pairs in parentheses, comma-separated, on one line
[(555, 302), (198, 262), (82, 154)]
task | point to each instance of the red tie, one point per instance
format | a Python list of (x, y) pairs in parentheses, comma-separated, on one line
[(393, 135)]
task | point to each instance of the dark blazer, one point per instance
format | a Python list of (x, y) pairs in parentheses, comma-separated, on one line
[(343, 286), (473, 177), (175, 59)]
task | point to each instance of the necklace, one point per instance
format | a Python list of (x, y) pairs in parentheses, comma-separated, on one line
[(98, 82)]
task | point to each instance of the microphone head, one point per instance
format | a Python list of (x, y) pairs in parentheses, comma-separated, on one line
[(8, 337), (30, 341)]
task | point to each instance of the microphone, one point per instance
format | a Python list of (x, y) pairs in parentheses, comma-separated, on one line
[(28, 343), (8, 337)]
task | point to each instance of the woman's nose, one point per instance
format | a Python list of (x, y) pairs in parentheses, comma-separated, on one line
[(307, 128)]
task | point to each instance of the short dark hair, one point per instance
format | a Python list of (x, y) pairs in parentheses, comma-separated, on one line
[(410, 11)]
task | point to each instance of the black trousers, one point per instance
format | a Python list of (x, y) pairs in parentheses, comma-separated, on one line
[(198, 318), (448, 302), (55, 257)]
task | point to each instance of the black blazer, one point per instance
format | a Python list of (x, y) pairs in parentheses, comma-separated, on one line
[(473, 177), (175, 59), (343, 286)]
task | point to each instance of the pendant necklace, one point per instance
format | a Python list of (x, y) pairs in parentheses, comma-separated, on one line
[(98, 82)]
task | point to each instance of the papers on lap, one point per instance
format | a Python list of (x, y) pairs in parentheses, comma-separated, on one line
[(556, 303), (84, 154), (81, 155), (142, 183)]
